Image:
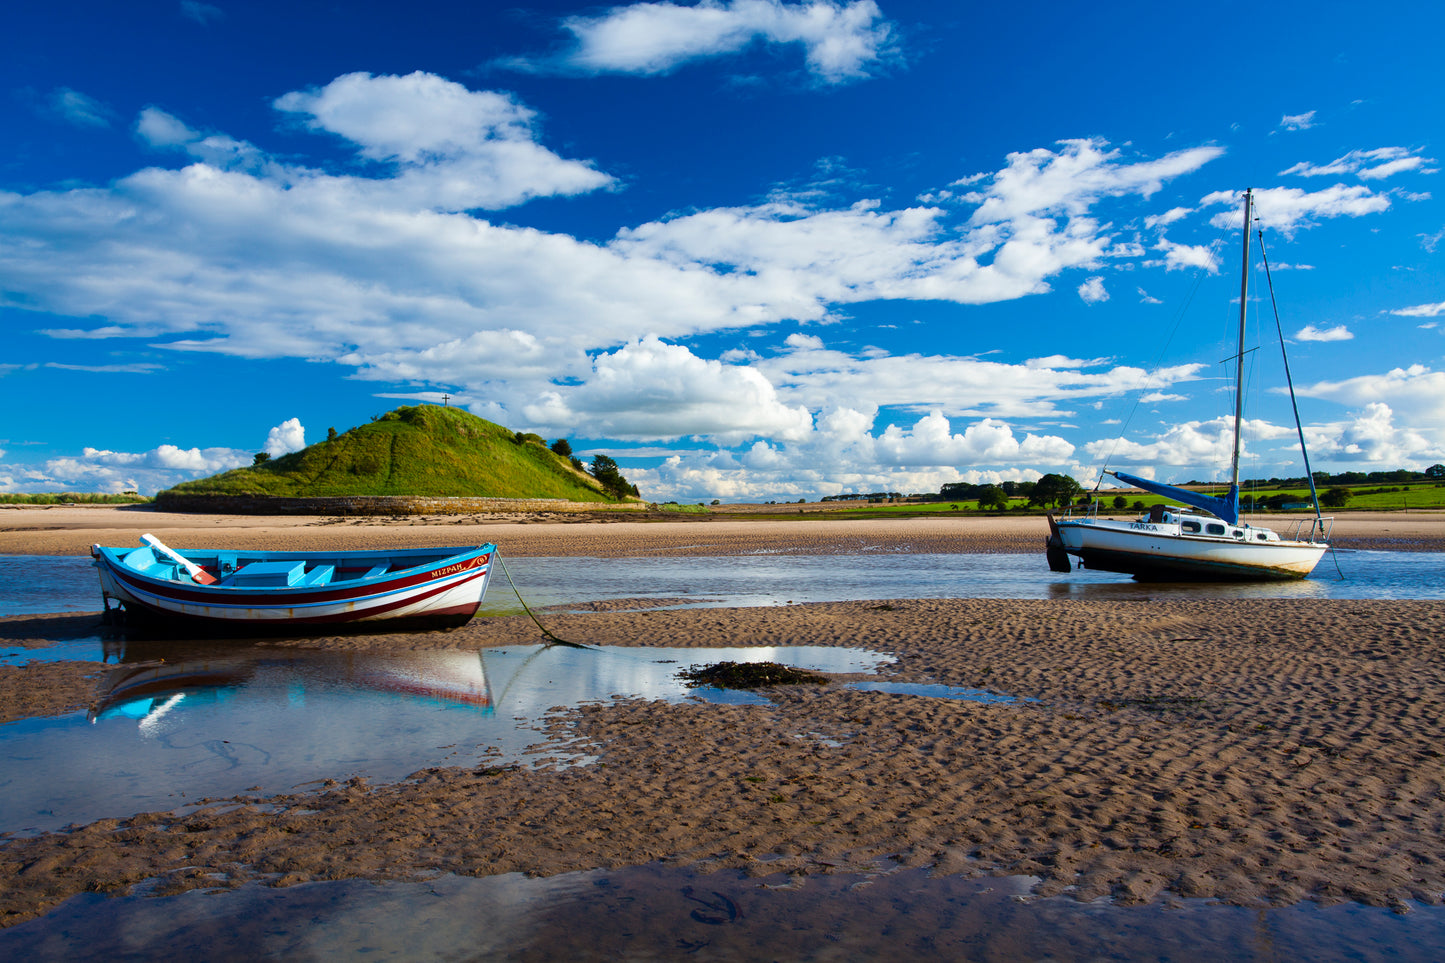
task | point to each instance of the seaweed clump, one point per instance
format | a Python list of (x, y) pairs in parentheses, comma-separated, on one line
[(748, 675)]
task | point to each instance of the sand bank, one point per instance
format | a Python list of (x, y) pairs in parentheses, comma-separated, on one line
[(1250, 751), (72, 529)]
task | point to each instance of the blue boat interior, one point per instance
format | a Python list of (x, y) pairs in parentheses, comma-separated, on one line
[(263, 570)]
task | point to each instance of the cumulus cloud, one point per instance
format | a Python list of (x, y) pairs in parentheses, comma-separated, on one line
[(105, 470), (651, 390), (1183, 257), (1297, 121), (1416, 392), (930, 442), (1310, 333), (844, 453), (841, 41), (1071, 180), (1092, 291), (1287, 209), (1371, 436), (1421, 310), (453, 148), (1168, 217), (285, 438), (1370, 165)]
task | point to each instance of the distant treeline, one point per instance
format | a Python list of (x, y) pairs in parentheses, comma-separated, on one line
[(1435, 473), (965, 491), (869, 497)]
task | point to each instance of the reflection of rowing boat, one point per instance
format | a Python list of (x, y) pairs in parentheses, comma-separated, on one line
[(291, 591), (452, 677)]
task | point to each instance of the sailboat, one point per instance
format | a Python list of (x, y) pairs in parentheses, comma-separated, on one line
[(1206, 540)]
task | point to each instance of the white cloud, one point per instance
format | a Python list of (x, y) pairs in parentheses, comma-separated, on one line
[(988, 442), (649, 390), (842, 41), (1168, 217), (1372, 437), (1421, 311), (1416, 392), (1201, 446), (843, 454), (453, 148), (823, 379), (1288, 209), (1374, 164), (79, 109), (285, 438), (1310, 333), (1042, 182), (1092, 291), (1297, 121), (1184, 257), (104, 470)]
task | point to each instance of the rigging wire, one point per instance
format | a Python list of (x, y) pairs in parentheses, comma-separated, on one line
[(1319, 523)]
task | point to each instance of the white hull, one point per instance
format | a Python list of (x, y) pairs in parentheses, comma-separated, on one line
[(1161, 551), (284, 590)]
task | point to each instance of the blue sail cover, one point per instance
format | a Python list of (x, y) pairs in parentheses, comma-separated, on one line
[(1225, 507)]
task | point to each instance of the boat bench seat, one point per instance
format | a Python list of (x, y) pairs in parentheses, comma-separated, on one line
[(320, 575), (381, 569)]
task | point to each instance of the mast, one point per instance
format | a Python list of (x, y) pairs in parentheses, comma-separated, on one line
[(1239, 355)]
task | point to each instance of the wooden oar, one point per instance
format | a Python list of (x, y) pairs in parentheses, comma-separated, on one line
[(198, 574)]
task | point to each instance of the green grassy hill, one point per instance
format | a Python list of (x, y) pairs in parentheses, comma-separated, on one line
[(423, 450)]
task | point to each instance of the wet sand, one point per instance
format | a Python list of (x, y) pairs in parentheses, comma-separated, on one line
[(1261, 751)]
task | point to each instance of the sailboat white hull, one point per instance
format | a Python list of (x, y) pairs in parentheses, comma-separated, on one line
[(1161, 552)]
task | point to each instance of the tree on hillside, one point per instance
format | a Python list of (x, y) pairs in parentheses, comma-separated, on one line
[(1055, 490), (1335, 497), (561, 447), (605, 470), (1437, 472)]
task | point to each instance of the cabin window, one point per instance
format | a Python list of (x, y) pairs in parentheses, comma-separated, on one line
[(1262, 537), (1215, 529), (1237, 533), (1192, 527)]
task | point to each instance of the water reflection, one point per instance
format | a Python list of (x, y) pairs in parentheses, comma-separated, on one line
[(668, 912), (173, 724), (44, 584)]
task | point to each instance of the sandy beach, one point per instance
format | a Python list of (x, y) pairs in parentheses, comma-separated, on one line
[(1257, 752)]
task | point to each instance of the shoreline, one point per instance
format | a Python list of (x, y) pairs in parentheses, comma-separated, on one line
[(72, 529), (1257, 752)]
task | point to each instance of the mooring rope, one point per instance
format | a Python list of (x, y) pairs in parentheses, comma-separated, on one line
[(545, 631)]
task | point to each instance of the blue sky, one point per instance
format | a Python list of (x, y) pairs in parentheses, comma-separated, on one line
[(752, 250)]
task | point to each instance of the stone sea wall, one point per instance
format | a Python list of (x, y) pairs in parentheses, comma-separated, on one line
[(376, 505)]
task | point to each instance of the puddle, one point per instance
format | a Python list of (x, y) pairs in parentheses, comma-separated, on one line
[(667, 912), (217, 721), (955, 692)]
